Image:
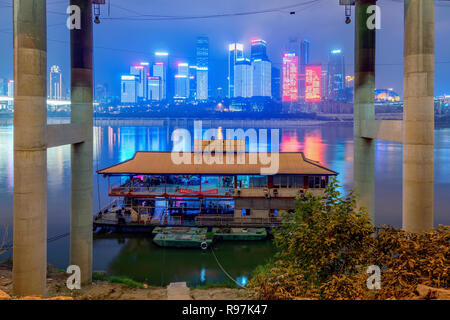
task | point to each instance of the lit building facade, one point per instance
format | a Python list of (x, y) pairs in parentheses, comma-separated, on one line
[(258, 49), (235, 52), (10, 92), (262, 78), (202, 50), (336, 75), (154, 88), (138, 71), (313, 80), (160, 69), (55, 86), (290, 77), (182, 81), (129, 89), (242, 78)]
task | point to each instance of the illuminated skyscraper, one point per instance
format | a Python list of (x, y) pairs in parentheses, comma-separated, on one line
[(303, 62), (261, 78), (10, 92), (145, 75), (55, 86), (182, 81), (160, 69), (276, 83), (192, 82), (290, 77), (336, 75), (129, 89), (139, 72), (154, 88), (202, 68), (236, 51), (258, 49), (242, 78), (261, 69)]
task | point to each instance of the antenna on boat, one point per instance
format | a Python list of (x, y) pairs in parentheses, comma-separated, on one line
[(348, 9)]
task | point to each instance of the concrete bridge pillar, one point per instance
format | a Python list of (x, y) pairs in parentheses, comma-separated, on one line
[(81, 42), (364, 109), (30, 149), (418, 116)]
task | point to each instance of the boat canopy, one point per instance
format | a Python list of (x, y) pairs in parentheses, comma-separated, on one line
[(162, 163)]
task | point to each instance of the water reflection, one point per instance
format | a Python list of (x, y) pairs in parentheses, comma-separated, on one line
[(332, 145)]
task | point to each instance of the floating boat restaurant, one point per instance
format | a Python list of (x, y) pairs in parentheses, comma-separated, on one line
[(151, 190)]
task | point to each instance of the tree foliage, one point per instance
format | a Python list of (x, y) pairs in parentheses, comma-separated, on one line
[(325, 246)]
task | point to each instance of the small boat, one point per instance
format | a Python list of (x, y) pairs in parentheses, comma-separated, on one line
[(239, 234), (182, 240)]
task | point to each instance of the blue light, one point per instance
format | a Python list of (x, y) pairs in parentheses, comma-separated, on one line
[(242, 280), (203, 275)]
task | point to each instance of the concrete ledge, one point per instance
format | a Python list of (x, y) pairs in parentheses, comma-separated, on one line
[(391, 130), (62, 134)]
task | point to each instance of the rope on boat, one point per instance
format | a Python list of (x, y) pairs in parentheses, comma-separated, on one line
[(224, 271)]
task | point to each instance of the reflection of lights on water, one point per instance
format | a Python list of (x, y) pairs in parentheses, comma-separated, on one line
[(242, 280), (203, 275)]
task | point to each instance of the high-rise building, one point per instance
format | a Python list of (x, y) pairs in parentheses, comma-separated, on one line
[(336, 75), (3, 87), (290, 77), (160, 69), (10, 92), (303, 62), (55, 86), (154, 88), (261, 69), (193, 82), (182, 81), (235, 51), (276, 83), (139, 72), (242, 78), (129, 89), (258, 50), (145, 75), (261, 78), (202, 68), (313, 83)]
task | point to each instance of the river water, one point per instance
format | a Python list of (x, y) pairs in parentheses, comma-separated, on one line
[(138, 258)]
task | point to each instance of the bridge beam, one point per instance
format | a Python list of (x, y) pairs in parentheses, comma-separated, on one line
[(82, 153), (391, 130), (30, 154), (418, 116), (63, 134), (364, 108)]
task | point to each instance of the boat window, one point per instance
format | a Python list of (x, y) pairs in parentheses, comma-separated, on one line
[(258, 181), (298, 181), (314, 182), (283, 181), (245, 212), (276, 181), (323, 182)]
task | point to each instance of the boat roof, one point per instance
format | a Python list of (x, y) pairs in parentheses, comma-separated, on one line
[(161, 163)]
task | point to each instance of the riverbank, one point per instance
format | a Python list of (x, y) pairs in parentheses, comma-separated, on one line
[(105, 290)]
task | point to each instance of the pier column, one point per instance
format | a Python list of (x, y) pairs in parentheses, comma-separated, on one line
[(364, 109), (82, 153), (418, 116), (30, 154)]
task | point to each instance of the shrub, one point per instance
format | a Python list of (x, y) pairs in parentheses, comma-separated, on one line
[(325, 246)]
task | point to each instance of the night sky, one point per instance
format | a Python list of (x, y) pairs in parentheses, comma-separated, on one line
[(135, 29)]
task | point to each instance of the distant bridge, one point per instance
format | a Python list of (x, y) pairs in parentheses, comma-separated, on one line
[(50, 102)]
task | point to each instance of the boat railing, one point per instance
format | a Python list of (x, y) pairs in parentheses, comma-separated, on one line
[(222, 220), (173, 190)]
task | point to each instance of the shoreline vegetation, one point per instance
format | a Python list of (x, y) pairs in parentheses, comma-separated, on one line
[(326, 249)]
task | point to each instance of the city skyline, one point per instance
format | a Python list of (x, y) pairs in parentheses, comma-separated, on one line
[(323, 24)]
